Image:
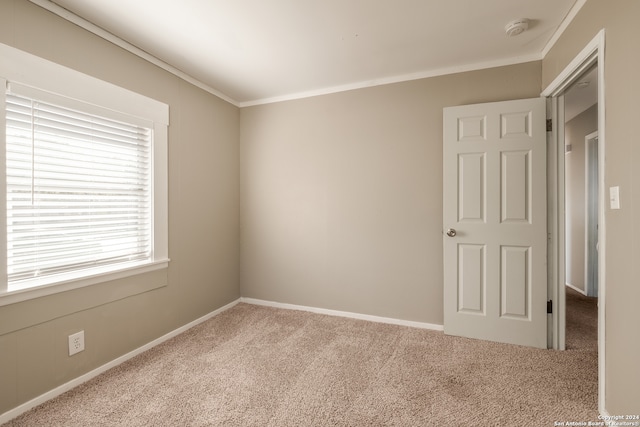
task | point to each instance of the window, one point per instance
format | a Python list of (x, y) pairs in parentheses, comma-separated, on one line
[(84, 182), (78, 191)]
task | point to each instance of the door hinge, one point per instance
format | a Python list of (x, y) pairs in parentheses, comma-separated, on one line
[(549, 307), (549, 125)]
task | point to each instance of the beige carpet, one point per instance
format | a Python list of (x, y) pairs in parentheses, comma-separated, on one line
[(258, 366)]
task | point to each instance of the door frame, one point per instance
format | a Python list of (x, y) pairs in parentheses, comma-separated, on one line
[(593, 53), (591, 171)]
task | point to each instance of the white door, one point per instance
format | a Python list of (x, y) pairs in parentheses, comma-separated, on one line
[(495, 222)]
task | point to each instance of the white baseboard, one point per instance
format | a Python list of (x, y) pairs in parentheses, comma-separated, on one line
[(9, 415), (350, 315), (569, 285)]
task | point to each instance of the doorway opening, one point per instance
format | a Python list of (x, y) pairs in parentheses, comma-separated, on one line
[(581, 211), (591, 56)]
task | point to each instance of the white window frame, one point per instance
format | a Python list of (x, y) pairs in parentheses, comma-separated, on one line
[(22, 68)]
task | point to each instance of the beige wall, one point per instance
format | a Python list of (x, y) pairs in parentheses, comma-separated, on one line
[(341, 195), (622, 168), (575, 132), (203, 223)]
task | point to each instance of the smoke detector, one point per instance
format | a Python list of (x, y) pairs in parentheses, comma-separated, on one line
[(516, 27)]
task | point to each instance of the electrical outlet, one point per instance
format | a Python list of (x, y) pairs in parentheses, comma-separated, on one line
[(76, 343)]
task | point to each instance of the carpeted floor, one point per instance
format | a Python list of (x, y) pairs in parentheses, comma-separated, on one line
[(259, 366), (582, 322)]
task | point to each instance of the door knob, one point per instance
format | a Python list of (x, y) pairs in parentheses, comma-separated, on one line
[(451, 232)]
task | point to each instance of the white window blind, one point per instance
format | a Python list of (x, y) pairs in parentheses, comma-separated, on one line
[(78, 188)]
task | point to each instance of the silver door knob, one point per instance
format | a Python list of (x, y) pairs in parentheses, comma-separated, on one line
[(451, 232)]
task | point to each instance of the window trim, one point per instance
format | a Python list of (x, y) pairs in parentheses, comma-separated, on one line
[(22, 68)]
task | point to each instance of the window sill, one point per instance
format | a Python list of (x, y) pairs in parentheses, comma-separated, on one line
[(68, 282)]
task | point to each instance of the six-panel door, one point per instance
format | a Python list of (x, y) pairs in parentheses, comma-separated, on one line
[(495, 200)]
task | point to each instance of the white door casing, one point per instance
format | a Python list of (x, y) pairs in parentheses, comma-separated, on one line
[(494, 196)]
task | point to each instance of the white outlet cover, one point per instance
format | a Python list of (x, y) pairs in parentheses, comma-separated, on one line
[(76, 343)]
